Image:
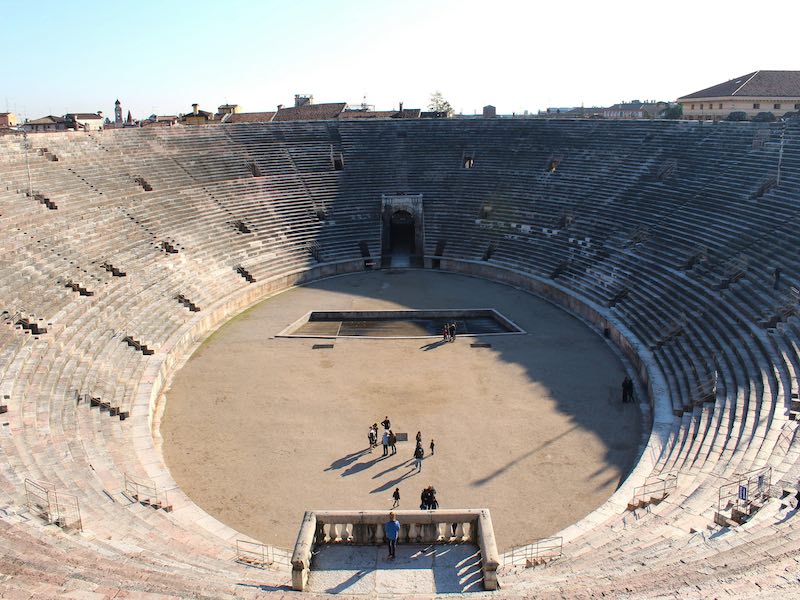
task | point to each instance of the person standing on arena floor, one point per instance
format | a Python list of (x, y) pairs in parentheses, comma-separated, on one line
[(419, 438), (393, 441), (386, 423), (396, 497), (452, 331), (392, 529), (445, 332), (385, 442), (418, 454), (432, 447), (371, 438)]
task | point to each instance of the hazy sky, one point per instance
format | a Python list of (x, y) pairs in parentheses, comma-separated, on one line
[(158, 57)]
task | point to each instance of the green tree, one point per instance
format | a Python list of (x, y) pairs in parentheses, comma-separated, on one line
[(439, 104), (674, 112), (737, 115)]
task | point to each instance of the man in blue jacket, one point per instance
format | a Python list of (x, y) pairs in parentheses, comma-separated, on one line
[(392, 529)]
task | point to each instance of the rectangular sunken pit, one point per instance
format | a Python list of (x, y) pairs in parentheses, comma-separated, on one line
[(399, 323)]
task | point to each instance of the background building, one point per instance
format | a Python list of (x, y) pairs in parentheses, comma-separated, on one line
[(8, 120), (45, 124), (84, 121), (776, 92), (635, 109), (198, 117)]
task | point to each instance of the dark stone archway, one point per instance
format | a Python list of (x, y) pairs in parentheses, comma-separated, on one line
[(402, 238)]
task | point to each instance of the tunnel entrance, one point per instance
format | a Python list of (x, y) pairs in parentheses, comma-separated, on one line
[(402, 243), (401, 238)]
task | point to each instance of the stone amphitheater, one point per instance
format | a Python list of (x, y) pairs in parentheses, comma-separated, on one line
[(124, 250)]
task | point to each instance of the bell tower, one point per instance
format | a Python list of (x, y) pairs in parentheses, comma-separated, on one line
[(117, 113)]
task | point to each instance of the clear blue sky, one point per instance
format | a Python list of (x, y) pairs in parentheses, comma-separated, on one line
[(159, 57)]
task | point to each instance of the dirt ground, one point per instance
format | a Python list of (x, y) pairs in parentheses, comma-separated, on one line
[(258, 429)]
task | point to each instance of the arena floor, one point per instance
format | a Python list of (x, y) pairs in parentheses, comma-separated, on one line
[(258, 429)]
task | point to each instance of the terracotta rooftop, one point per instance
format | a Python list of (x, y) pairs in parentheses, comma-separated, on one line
[(368, 114), (83, 116), (310, 112), (251, 117), (770, 84), (48, 120), (406, 113)]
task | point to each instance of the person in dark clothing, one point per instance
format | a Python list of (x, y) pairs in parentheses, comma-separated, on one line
[(777, 275), (419, 438), (432, 447), (627, 390), (452, 331), (396, 497), (428, 499), (372, 437), (418, 454), (386, 423), (393, 441)]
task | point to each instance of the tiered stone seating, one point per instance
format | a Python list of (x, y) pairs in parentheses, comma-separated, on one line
[(665, 234)]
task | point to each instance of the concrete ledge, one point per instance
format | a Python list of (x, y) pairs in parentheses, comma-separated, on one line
[(416, 527), (399, 315)]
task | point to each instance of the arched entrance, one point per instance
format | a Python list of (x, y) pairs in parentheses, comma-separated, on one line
[(401, 238), (402, 235)]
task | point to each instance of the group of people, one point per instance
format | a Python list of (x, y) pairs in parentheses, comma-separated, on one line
[(627, 390), (428, 499), (388, 438), (389, 441), (449, 332)]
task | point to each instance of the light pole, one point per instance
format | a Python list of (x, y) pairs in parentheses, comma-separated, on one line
[(780, 155), (25, 143)]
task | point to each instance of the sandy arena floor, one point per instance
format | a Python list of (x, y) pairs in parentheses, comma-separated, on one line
[(258, 429)]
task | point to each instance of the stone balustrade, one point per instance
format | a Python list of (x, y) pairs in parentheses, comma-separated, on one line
[(416, 527)]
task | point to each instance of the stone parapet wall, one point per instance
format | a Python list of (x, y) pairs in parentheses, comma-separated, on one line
[(416, 527)]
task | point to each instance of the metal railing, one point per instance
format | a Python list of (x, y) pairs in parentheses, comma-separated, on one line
[(146, 492), (56, 508), (537, 552), (259, 555), (745, 489), (657, 486)]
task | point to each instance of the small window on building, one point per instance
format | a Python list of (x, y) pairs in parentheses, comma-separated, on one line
[(720, 105), (702, 106), (756, 105), (692, 106), (797, 106), (776, 105)]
